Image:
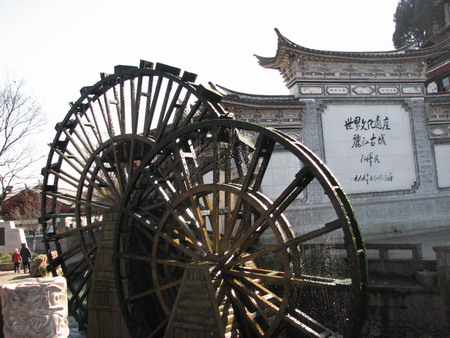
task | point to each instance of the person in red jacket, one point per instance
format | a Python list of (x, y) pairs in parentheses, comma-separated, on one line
[(16, 259)]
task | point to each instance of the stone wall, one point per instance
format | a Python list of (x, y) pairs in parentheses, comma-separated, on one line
[(421, 208), (403, 306)]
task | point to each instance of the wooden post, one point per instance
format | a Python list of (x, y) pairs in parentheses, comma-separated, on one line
[(195, 313), (104, 316)]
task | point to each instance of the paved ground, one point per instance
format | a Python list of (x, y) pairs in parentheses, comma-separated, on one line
[(12, 277)]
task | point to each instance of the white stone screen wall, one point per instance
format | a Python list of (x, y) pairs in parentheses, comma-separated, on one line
[(442, 154), (369, 148)]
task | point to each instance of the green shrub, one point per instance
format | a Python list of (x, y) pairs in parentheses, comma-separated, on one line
[(6, 257)]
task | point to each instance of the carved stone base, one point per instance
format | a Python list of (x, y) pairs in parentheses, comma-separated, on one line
[(35, 309)]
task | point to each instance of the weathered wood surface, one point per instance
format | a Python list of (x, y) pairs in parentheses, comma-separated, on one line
[(104, 314)]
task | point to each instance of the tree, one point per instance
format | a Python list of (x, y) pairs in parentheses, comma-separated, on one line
[(20, 118), (416, 21), (28, 211)]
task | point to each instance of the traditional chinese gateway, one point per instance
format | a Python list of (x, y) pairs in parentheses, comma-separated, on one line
[(381, 122)]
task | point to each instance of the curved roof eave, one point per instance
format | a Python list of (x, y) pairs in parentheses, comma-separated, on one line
[(259, 99), (286, 48)]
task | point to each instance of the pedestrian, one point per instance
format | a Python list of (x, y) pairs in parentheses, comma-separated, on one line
[(16, 259), (25, 253)]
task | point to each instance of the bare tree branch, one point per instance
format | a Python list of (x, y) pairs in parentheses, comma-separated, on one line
[(20, 118)]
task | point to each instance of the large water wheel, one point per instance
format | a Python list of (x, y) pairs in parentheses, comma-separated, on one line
[(184, 200)]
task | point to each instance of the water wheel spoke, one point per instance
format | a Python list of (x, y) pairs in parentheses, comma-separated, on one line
[(131, 155), (301, 181), (252, 282), (65, 177), (91, 123), (144, 258), (259, 302), (81, 283), (148, 116), (246, 318), (59, 236), (197, 223), (119, 169), (87, 111), (167, 112), (181, 243), (89, 182), (85, 134), (163, 111), (190, 115), (158, 328), (84, 154), (71, 160), (192, 238), (263, 150), (144, 224), (79, 201), (152, 106), (274, 277), (76, 270), (62, 257), (140, 295), (308, 325), (182, 155), (149, 227), (120, 106), (88, 149), (105, 174), (180, 110), (291, 243), (106, 114)]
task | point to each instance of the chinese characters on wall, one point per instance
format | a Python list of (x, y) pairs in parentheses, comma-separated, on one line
[(369, 148), (377, 128)]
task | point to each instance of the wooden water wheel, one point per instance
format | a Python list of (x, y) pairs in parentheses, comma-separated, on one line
[(181, 211), (201, 250), (97, 146)]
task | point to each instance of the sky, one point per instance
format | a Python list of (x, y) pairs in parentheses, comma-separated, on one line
[(60, 46)]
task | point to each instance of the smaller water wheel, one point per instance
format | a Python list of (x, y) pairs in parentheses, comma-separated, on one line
[(201, 249)]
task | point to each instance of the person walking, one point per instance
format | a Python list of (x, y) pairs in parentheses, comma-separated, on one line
[(16, 259), (25, 253)]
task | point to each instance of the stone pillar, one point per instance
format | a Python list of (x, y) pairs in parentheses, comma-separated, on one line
[(443, 274), (35, 309)]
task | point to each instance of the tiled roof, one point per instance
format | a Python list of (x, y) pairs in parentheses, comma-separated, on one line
[(286, 49), (231, 96)]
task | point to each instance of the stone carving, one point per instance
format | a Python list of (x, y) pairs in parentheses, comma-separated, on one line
[(412, 89), (337, 90), (363, 90), (304, 67), (35, 309), (438, 131), (305, 90), (438, 111), (388, 90)]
